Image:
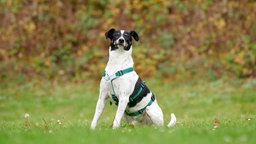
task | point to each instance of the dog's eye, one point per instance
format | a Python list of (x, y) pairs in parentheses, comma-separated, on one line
[(126, 35), (116, 35)]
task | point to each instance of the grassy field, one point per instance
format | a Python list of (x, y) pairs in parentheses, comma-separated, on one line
[(221, 111)]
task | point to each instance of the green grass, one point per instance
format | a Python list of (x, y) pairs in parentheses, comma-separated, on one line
[(62, 112)]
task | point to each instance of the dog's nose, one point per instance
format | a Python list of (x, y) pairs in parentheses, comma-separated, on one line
[(121, 41)]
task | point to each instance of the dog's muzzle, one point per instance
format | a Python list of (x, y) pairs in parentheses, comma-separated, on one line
[(120, 42)]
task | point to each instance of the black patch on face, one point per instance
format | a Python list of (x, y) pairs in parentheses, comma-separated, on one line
[(128, 39), (127, 48), (116, 35), (113, 47)]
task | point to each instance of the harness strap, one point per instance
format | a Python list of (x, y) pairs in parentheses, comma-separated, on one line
[(143, 109), (122, 72), (139, 92), (132, 97), (117, 74)]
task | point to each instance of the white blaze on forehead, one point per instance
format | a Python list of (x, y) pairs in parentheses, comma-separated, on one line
[(121, 37), (122, 33)]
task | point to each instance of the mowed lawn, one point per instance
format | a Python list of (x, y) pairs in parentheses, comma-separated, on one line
[(39, 112)]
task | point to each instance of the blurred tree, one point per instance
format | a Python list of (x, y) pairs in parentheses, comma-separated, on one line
[(66, 38)]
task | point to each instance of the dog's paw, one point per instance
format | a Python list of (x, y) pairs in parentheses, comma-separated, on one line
[(92, 127)]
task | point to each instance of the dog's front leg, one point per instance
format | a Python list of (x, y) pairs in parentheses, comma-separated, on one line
[(123, 101), (99, 106)]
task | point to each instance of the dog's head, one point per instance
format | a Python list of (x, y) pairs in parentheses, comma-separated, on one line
[(121, 38)]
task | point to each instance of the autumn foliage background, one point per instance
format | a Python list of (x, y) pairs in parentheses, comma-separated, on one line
[(55, 39)]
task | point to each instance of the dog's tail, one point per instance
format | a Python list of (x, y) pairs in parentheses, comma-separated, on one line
[(172, 121)]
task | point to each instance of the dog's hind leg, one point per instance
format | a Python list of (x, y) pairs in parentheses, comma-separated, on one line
[(100, 104), (155, 114), (131, 121)]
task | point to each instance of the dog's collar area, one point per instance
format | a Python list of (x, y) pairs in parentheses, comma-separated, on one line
[(117, 74)]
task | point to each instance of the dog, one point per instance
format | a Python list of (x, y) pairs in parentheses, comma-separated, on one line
[(119, 82)]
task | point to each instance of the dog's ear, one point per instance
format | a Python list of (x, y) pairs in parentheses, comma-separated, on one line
[(109, 33), (134, 35)]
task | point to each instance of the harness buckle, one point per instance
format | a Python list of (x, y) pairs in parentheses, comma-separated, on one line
[(141, 111), (120, 73)]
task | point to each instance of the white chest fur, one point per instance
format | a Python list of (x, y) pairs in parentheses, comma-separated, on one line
[(119, 60)]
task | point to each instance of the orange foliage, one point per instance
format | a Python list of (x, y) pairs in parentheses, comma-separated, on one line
[(53, 38)]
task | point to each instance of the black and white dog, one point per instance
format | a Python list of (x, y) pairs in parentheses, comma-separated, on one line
[(136, 103)]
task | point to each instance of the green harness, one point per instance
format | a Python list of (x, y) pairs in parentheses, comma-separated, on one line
[(132, 97)]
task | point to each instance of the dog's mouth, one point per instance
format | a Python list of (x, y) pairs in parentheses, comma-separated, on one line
[(120, 44), (124, 45)]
